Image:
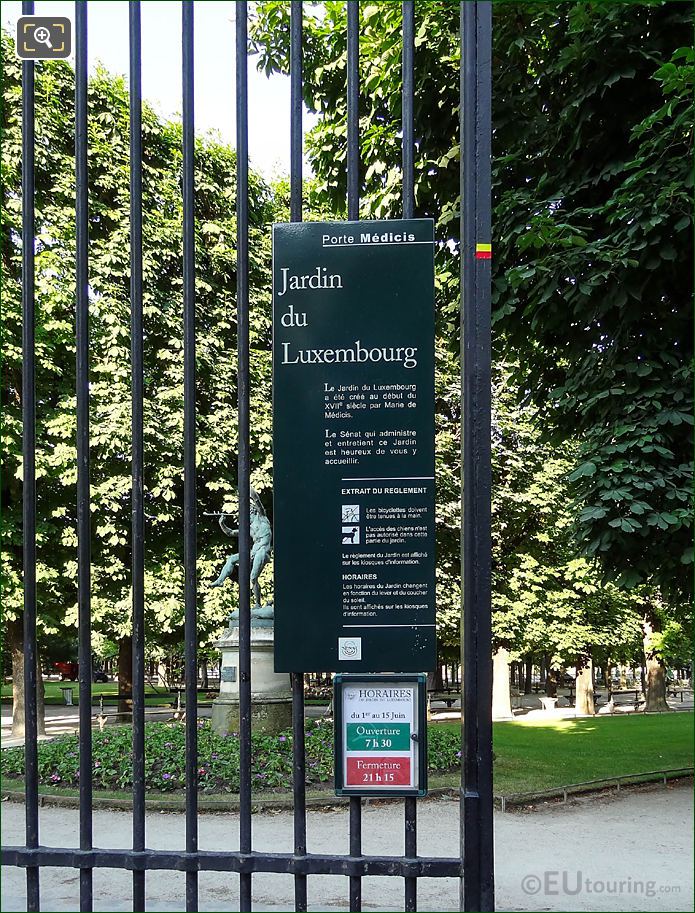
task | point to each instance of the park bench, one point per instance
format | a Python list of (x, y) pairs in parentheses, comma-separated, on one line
[(170, 698), (447, 696), (598, 697), (636, 691)]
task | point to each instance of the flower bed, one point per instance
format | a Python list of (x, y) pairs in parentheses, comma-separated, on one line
[(218, 758)]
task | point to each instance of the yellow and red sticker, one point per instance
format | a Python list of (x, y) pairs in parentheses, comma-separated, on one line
[(483, 251)]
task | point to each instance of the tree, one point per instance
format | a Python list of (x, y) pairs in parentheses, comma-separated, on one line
[(110, 358), (548, 601), (592, 144), (592, 283), (665, 642), (595, 219)]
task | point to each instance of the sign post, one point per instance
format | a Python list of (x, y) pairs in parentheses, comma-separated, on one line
[(380, 735), (353, 441)]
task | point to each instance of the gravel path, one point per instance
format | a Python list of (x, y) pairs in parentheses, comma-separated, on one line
[(629, 852)]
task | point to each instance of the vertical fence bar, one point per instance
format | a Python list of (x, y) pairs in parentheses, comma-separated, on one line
[(410, 851), (296, 138), (244, 467), (83, 494), (408, 37), (355, 850), (476, 768), (189, 453), (353, 112), (486, 901), (298, 757), (137, 503), (299, 784), (408, 7), (31, 763), (353, 208)]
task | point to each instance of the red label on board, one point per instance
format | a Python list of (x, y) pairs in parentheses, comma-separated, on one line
[(368, 770)]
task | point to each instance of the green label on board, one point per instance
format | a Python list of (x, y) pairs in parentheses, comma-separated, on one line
[(378, 737)]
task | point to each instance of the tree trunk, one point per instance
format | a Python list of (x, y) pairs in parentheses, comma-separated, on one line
[(607, 680), (552, 677), (205, 684), (528, 677), (501, 698), (434, 680), (125, 674), (15, 639), (656, 672), (585, 687)]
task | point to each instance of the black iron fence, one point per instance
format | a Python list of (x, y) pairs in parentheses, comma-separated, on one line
[(474, 863)]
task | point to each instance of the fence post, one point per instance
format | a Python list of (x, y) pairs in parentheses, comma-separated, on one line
[(477, 887), (31, 761), (189, 453), (297, 678)]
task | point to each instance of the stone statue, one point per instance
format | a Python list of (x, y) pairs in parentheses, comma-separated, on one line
[(261, 536), (271, 693)]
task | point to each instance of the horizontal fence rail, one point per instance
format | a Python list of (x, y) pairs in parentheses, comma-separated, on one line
[(591, 785), (243, 863)]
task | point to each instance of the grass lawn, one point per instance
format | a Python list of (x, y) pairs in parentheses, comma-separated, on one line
[(109, 691), (538, 755)]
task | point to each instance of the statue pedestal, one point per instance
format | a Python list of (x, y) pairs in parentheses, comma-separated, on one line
[(271, 694)]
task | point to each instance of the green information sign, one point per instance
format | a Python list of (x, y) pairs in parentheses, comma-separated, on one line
[(353, 441)]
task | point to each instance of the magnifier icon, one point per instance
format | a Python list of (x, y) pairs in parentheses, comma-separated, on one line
[(43, 36)]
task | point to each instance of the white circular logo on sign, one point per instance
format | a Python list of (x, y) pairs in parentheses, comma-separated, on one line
[(350, 647)]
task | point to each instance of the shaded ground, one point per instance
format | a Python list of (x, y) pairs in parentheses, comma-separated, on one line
[(642, 840)]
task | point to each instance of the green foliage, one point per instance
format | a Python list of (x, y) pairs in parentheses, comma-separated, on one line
[(218, 758), (592, 221), (672, 645), (110, 410), (546, 598), (600, 239), (443, 747), (591, 291)]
